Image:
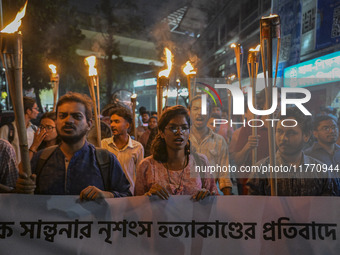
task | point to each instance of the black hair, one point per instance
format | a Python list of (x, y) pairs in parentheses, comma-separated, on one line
[(158, 147), (320, 118), (78, 98), (304, 121)]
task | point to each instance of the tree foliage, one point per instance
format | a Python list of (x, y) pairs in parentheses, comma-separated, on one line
[(50, 35), (116, 18)]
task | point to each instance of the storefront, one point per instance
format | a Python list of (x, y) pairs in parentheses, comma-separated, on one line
[(321, 76)]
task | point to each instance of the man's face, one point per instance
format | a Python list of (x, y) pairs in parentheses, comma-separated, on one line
[(71, 123), (199, 121), (290, 140), (33, 112), (119, 125), (327, 132), (145, 118), (217, 110), (152, 123)]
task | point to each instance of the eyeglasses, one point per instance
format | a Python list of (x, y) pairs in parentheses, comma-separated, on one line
[(329, 128), (175, 129), (48, 127)]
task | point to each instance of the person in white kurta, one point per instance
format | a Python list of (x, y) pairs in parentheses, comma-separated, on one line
[(128, 152)]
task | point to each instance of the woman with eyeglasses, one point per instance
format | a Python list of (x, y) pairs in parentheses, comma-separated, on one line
[(168, 171), (46, 135)]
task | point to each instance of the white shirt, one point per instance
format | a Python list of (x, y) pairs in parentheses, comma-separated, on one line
[(30, 136), (129, 157)]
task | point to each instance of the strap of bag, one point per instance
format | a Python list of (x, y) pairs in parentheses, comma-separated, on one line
[(103, 159), (44, 156)]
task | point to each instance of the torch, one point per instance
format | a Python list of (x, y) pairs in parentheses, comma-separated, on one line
[(253, 68), (93, 82), (11, 57), (163, 81), (230, 79), (178, 83), (238, 49), (54, 77), (269, 29), (189, 72), (134, 101)]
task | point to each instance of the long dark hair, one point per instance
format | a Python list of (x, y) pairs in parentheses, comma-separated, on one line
[(158, 147)]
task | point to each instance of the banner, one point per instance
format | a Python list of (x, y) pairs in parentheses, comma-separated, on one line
[(141, 225)]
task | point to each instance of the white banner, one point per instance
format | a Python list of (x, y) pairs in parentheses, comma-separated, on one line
[(141, 225)]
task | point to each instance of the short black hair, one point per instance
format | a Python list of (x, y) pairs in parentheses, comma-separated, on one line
[(28, 103), (304, 121), (122, 112), (320, 118), (145, 112), (153, 117), (141, 109), (78, 98)]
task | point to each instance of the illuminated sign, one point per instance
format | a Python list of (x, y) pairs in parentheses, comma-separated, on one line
[(313, 72), (145, 82)]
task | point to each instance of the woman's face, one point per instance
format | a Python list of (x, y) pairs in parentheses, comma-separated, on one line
[(176, 133), (49, 125)]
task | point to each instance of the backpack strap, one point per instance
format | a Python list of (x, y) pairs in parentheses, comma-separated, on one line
[(103, 159), (10, 132), (44, 156)]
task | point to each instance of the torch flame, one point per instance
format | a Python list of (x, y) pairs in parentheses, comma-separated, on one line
[(134, 96), (53, 68), (188, 69), (166, 72), (233, 45), (91, 62), (232, 77), (257, 49), (16, 23)]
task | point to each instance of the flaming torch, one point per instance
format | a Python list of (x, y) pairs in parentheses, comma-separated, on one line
[(11, 57), (189, 72), (238, 49), (253, 68), (92, 82), (133, 102), (270, 28), (55, 84), (230, 80), (163, 81)]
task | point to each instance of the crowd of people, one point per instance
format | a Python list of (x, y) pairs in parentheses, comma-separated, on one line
[(160, 155)]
